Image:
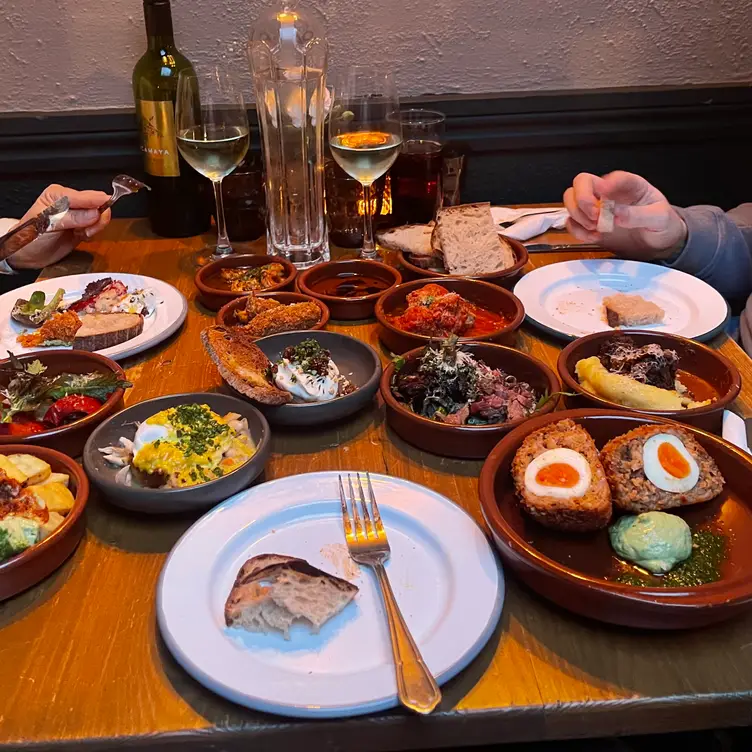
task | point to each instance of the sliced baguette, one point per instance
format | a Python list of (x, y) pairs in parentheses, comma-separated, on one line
[(273, 591), (242, 364), (99, 331), (470, 242)]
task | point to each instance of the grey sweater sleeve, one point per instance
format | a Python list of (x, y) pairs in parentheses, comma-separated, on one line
[(718, 248)]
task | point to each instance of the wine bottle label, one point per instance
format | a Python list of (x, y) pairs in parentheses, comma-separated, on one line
[(158, 142)]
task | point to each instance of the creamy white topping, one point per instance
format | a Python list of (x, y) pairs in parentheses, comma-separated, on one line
[(307, 386)]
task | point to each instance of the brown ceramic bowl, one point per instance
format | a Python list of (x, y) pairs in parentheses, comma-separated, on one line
[(506, 278), (34, 564), (214, 296), (694, 358), (469, 442), (571, 569), (226, 314), (342, 308), (69, 439), (482, 294)]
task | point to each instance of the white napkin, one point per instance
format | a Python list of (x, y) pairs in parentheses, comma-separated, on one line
[(533, 222), (735, 430)]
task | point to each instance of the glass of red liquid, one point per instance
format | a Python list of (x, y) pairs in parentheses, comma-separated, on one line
[(416, 175)]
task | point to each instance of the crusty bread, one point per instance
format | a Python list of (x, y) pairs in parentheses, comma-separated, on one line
[(622, 459), (242, 364), (470, 242), (591, 511), (272, 591), (412, 239), (99, 331), (631, 310)]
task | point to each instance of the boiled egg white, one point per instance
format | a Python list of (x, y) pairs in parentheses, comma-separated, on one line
[(561, 473), (148, 433), (668, 465)]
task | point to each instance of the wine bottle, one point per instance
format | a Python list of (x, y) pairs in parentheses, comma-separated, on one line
[(178, 201)]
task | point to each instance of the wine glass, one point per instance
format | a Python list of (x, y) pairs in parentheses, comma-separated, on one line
[(365, 134), (212, 133)]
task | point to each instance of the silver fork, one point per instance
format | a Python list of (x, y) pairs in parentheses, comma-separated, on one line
[(122, 185), (368, 544)]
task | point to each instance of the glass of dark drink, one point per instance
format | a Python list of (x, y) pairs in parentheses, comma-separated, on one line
[(416, 175)]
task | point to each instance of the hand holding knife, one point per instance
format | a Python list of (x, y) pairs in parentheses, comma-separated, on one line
[(28, 231)]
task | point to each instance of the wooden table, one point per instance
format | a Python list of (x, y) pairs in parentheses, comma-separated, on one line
[(81, 657)]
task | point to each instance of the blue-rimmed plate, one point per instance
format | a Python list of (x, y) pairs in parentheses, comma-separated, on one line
[(566, 299), (445, 576)]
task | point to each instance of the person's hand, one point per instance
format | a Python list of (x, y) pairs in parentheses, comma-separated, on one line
[(82, 221), (646, 226)]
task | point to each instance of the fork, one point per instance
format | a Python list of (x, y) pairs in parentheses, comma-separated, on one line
[(122, 185), (368, 545), (508, 223)]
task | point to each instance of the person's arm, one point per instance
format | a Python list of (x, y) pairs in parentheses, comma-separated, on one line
[(718, 249)]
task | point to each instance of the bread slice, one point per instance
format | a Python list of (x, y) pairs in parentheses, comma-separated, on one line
[(99, 331), (470, 242), (412, 239), (242, 364), (272, 591), (592, 510), (631, 310)]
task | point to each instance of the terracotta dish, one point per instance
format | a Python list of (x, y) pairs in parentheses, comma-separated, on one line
[(470, 442), (69, 439), (505, 278), (226, 314), (214, 295), (337, 284), (34, 564), (571, 569), (696, 359), (492, 298)]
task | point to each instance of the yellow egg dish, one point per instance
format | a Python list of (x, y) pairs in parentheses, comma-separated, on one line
[(191, 444), (595, 378)]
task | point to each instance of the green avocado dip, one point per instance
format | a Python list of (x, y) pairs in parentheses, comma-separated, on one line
[(654, 541)]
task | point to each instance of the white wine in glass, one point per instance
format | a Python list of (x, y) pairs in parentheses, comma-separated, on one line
[(365, 134), (212, 133)]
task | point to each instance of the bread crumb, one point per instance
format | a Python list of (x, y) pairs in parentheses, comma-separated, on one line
[(606, 216)]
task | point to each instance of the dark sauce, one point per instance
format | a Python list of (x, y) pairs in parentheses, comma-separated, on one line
[(349, 285), (709, 551)]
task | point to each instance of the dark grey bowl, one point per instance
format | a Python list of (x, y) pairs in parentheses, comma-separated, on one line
[(171, 500), (357, 362)]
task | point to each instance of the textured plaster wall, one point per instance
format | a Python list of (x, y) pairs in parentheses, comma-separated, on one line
[(78, 54)]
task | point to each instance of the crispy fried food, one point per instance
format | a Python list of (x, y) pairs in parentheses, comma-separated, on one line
[(254, 306), (60, 329), (284, 318)]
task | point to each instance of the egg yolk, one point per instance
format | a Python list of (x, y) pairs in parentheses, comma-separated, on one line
[(558, 474), (672, 461)]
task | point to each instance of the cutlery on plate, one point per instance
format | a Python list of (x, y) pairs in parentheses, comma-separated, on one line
[(368, 545), (549, 247), (122, 185), (24, 233)]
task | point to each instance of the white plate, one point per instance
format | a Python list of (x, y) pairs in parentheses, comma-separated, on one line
[(566, 299), (168, 315), (444, 574)]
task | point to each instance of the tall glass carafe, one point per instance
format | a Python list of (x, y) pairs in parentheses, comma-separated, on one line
[(288, 56)]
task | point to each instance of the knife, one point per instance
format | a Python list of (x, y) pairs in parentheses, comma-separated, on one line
[(550, 247), (25, 233)]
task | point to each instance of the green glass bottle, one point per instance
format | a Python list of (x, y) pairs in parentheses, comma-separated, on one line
[(178, 204)]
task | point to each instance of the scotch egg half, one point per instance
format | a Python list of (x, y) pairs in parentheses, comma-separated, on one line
[(668, 464), (560, 473)]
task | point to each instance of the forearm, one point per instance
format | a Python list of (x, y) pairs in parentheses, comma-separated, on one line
[(718, 249)]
